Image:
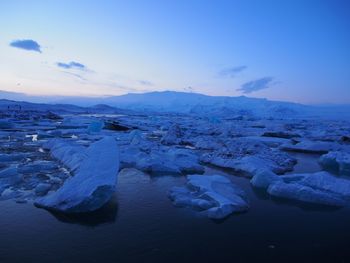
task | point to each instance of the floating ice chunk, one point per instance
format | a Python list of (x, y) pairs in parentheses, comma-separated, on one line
[(12, 157), (95, 127), (280, 134), (320, 188), (269, 141), (37, 166), (135, 137), (206, 143), (327, 182), (9, 177), (264, 178), (187, 162), (173, 135), (42, 189), (304, 193), (92, 185), (311, 147), (158, 166), (337, 162), (215, 194), (170, 162), (69, 154), (250, 165)]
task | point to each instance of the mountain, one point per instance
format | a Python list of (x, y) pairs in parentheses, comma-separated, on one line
[(195, 103)]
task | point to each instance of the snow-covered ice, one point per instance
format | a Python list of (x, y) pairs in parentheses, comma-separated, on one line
[(337, 162), (43, 148), (215, 195), (92, 185)]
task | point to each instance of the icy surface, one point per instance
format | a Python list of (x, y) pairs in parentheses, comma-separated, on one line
[(215, 195), (321, 188), (43, 146), (93, 184), (264, 178), (248, 156), (337, 162), (311, 147), (71, 155)]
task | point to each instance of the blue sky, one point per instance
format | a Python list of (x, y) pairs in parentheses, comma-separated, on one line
[(286, 50)]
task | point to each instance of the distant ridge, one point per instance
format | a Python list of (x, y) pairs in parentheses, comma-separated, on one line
[(193, 103)]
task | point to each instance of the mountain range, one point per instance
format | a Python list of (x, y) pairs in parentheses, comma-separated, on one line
[(194, 103)]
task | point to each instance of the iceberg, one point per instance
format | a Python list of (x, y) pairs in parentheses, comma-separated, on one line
[(69, 154), (93, 184), (9, 177), (311, 147), (215, 195), (161, 161), (264, 178), (320, 188), (173, 135), (337, 162)]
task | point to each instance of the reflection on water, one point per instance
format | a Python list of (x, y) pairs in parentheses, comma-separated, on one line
[(105, 215), (142, 225)]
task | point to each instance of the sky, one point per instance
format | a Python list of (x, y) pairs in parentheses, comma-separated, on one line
[(292, 50)]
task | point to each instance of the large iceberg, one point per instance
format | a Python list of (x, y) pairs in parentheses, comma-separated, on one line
[(69, 154), (216, 195), (92, 185)]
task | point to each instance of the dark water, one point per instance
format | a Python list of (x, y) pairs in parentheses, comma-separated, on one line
[(141, 225)]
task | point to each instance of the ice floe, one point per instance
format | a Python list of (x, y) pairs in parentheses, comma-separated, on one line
[(215, 195), (93, 183)]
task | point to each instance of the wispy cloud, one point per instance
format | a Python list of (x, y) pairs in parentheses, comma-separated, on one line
[(146, 83), (232, 71), (255, 85), (75, 75), (71, 65), (26, 44)]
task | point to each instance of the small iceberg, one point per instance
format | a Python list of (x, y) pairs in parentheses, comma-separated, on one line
[(215, 195)]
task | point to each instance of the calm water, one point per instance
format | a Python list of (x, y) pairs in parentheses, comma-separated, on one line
[(141, 225)]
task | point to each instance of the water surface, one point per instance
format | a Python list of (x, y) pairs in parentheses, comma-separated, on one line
[(142, 225)]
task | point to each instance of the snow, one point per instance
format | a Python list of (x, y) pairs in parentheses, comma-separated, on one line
[(92, 185), (215, 195)]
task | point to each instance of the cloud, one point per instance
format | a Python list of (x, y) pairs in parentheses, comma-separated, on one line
[(71, 65), (146, 83), (75, 75), (26, 44), (232, 72), (255, 85)]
